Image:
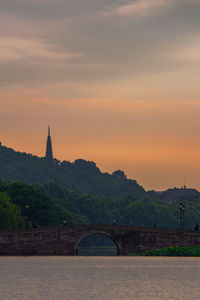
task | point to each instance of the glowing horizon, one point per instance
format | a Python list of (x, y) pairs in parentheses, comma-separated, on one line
[(91, 130)]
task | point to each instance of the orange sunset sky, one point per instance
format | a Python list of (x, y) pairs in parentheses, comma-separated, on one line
[(117, 81)]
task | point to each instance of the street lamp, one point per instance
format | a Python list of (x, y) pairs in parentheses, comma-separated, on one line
[(182, 210), (27, 212)]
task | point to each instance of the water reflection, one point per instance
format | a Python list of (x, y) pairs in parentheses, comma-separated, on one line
[(99, 278)]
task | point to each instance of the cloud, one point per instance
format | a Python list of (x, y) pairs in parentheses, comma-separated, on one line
[(34, 1), (189, 53), (78, 45), (13, 49), (141, 7)]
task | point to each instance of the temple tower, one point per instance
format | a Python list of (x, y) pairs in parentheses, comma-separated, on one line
[(49, 152)]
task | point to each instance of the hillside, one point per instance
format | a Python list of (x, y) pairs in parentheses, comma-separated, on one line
[(83, 176), (178, 195)]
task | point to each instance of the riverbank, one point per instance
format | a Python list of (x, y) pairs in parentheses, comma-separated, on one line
[(172, 251)]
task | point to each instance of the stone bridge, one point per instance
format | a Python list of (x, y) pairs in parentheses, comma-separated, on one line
[(64, 240)]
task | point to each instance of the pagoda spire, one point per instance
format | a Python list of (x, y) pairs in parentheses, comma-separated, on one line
[(49, 151)]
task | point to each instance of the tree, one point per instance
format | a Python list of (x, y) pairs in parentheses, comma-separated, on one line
[(10, 217)]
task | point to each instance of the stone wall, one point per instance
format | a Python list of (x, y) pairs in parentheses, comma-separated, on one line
[(64, 240)]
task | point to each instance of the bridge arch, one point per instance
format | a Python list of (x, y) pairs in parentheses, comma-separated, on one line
[(118, 246)]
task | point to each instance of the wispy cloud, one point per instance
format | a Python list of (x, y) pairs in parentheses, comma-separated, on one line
[(12, 49), (142, 7)]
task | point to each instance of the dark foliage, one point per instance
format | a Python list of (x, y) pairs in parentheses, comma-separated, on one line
[(172, 251), (80, 193), (33, 206), (49, 204), (83, 176)]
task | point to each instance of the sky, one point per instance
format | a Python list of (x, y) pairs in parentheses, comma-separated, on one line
[(117, 81)]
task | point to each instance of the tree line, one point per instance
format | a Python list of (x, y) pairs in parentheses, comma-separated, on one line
[(43, 205)]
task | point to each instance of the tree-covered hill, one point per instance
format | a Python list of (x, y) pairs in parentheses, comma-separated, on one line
[(178, 194), (46, 205), (83, 176)]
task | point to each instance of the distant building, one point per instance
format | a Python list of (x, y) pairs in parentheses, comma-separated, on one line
[(49, 151)]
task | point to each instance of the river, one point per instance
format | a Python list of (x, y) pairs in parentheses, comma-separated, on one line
[(99, 278)]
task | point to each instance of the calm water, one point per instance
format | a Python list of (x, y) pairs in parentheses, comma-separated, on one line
[(99, 278)]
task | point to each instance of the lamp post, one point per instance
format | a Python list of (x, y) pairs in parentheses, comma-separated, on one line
[(182, 211), (27, 211)]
